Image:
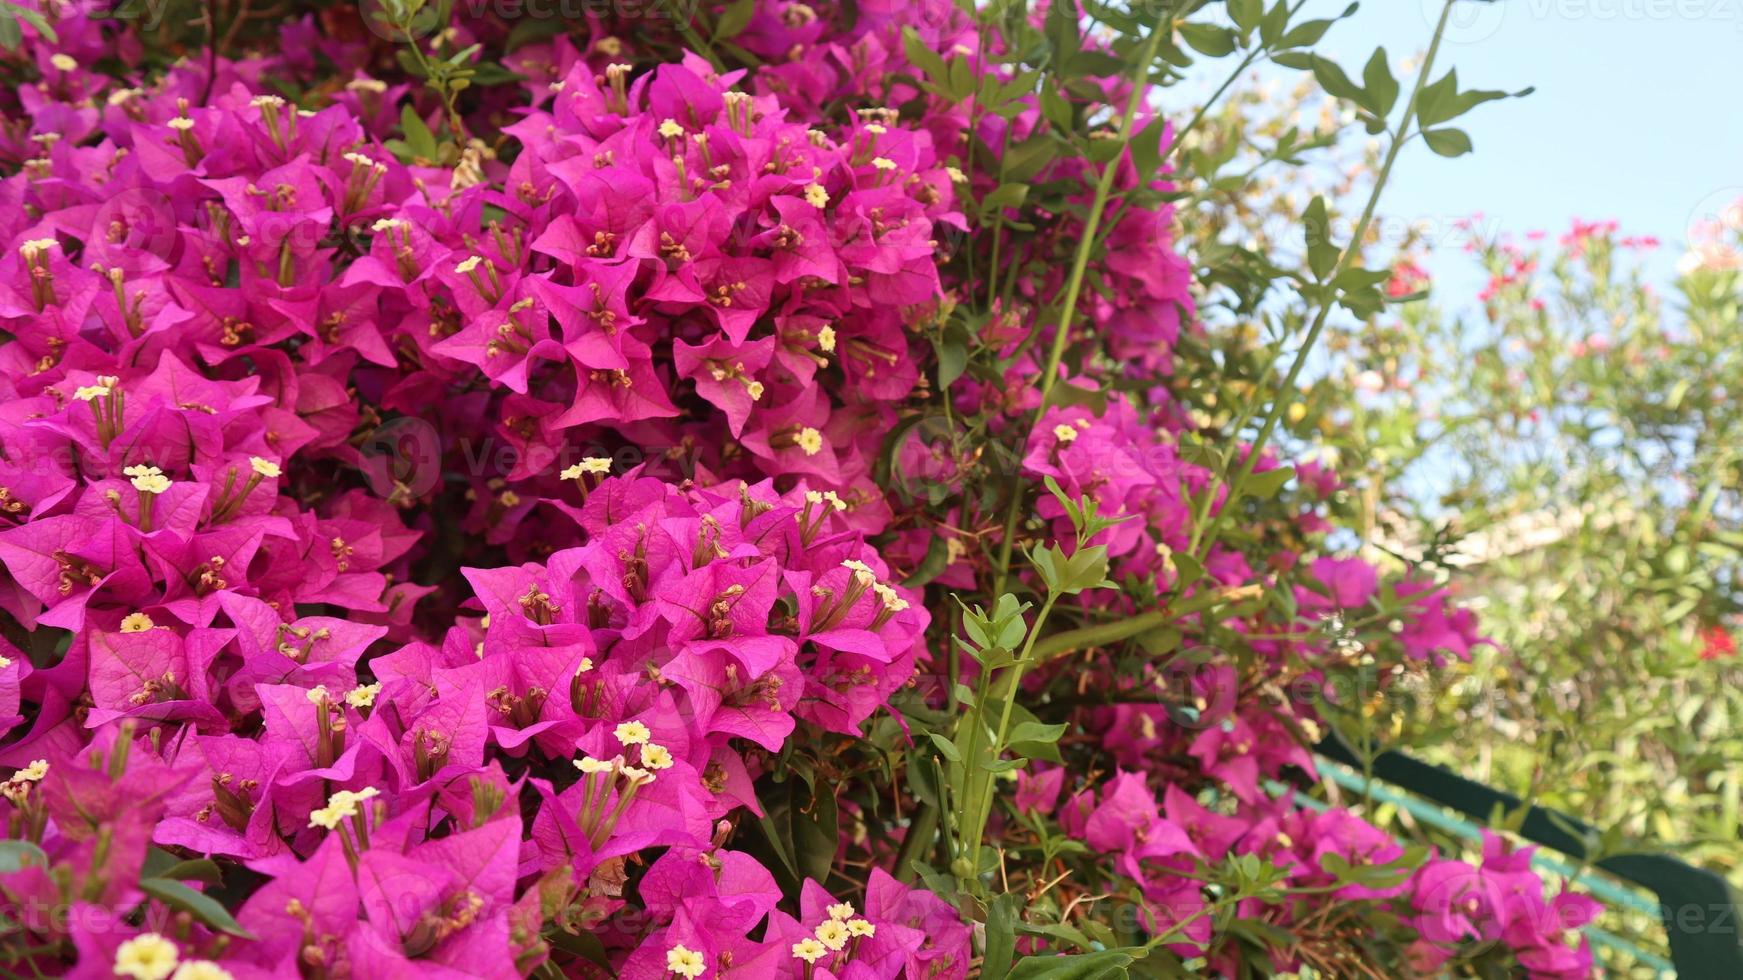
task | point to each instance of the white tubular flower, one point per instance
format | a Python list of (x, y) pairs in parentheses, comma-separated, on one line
[(632, 733), (147, 956), (685, 962)]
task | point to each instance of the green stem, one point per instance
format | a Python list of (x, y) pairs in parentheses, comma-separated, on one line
[(921, 830), (454, 123), (972, 745), (992, 278), (977, 805), (1113, 631), (1092, 222), (1202, 542), (1100, 634), (697, 42), (1074, 285), (1015, 676)]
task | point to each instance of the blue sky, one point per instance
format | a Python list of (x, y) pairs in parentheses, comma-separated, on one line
[(1635, 116)]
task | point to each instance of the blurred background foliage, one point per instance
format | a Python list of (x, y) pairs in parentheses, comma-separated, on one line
[(1565, 448)]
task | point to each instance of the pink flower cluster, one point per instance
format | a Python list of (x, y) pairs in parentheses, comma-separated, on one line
[(1451, 904), (443, 552)]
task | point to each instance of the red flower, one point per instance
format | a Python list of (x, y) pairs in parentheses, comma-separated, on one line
[(1717, 643)]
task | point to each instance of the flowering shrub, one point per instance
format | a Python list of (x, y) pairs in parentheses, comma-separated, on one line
[(681, 498), (1593, 422)]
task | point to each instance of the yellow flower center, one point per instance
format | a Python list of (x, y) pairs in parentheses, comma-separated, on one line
[(136, 623)]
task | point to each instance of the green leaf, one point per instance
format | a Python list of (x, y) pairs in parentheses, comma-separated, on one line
[(1447, 142), (962, 80), (734, 19), (1065, 501), (1306, 34), (1062, 30), (1441, 101), (816, 833), (779, 836), (1246, 13), (11, 35), (1466, 101), (1013, 91), (1102, 150), (1322, 254), (1051, 562), (1087, 966), (585, 945), (1356, 277), (1208, 39), (1026, 159), (1064, 935), (1268, 483), (1332, 78), (952, 360), (1272, 24), (1382, 87), (1068, 394), (418, 138), (1004, 196), (978, 628), (921, 56), (1001, 936), (1086, 569), (1036, 732), (198, 904), (1161, 640), (886, 462), (933, 565), (1363, 302), (946, 747), (1008, 622), (1373, 875), (924, 781), (160, 863), (488, 73), (16, 855), (532, 30), (1262, 934), (1438, 100), (1146, 147), (35, 19), (1055, 107), (463, 55), (1298, 60), (738, 54), (1189, 568)]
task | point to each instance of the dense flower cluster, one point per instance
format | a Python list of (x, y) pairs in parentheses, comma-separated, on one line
[(449, 550)]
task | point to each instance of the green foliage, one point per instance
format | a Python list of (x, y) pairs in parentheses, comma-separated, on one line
[(1570, 452), (13, 19), (958, 761), (1596, 501)]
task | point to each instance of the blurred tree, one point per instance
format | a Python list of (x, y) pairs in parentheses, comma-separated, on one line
[(1575, 448)]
